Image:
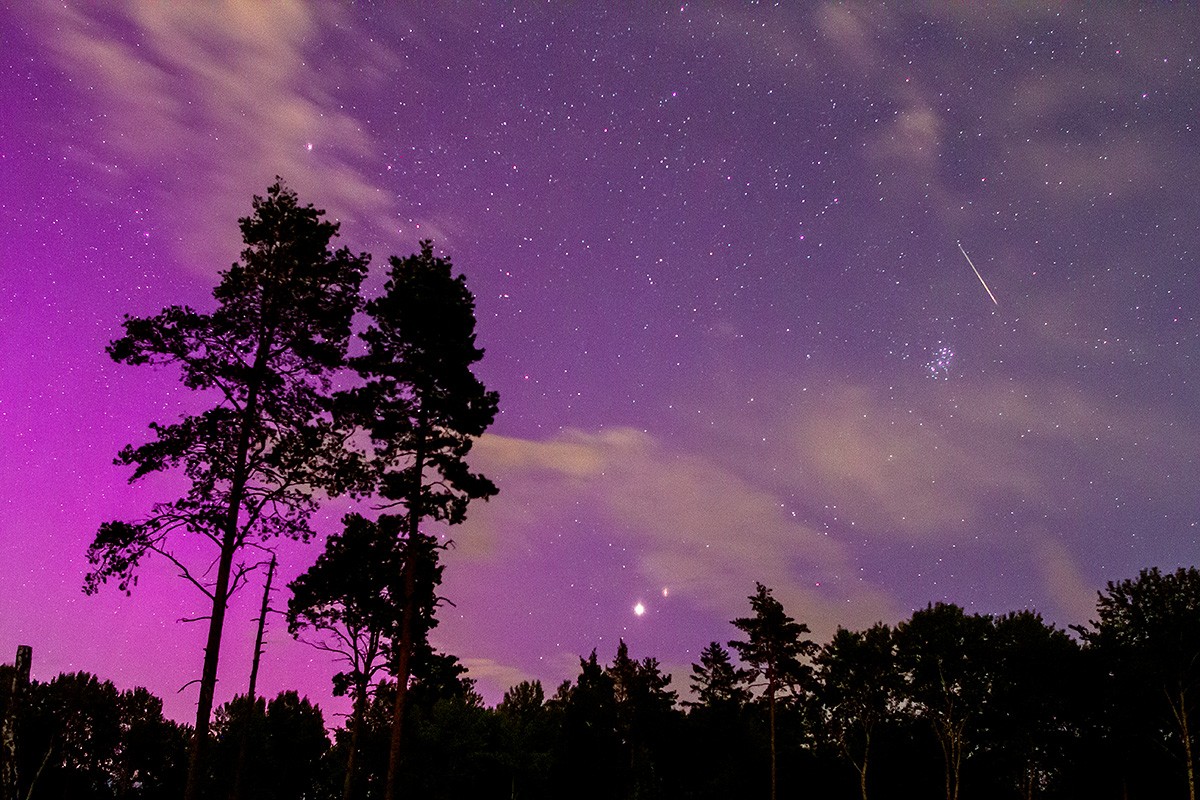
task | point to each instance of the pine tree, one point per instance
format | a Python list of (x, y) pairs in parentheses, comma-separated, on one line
[(716, 681), (773, 651), (256, 457), (422, 408)]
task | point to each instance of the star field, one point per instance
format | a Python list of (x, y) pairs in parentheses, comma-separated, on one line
[(715, 251)]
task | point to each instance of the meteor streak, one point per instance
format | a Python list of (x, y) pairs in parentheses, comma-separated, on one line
[(977, 275)]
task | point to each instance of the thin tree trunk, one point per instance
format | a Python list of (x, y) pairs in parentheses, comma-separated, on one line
[(408, 618), (262, 626), (771, 710), (956, 748), (862, 770), (944, 741), (8, 727), (244, 746), (38, 774), (212, 653), (229, 545), (403, 670), (951, 742), (1187, 745), (360, 712)]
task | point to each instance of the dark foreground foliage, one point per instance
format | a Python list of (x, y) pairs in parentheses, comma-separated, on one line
[(947, 704)]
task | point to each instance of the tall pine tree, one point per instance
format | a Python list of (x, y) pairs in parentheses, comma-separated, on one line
[(254, 459), (773, 652), (422, 408)]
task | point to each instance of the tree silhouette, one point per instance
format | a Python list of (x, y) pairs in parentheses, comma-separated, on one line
[(774, 650), (1011, 703), (254, 459), (1148, 637), (528, 731), (1036, 699), (452, 741), (352, 599), (716, 682), (645, 716), (589, 757), (421, 408), (720, 732), (945, 655), (82, 738), (287, 740), (858, 688)]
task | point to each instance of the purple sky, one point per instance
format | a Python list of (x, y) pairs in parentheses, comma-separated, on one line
[(715, 253)]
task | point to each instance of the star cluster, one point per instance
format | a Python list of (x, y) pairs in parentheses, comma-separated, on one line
[(941, 362)]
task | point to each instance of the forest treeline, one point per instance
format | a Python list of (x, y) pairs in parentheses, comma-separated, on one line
[(946, 703)]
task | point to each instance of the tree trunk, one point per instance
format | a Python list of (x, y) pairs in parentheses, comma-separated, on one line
[(771, 712), (944, 739), (244, 746), (1187, 744), (862, 770), (262, 626), (946, 756), (403, 670), (356, 724), (956, 745), (38, 774), (409, 617), (8, 727), (229, 545), (950, 736), (208, 678)]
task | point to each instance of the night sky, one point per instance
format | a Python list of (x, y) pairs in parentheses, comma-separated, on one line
[(716, 255)]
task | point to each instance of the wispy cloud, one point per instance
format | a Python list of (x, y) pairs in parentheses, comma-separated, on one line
[(1065, 584), (843, 468), (848, 29), (703, 530), (224, 96), (493, 677)]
